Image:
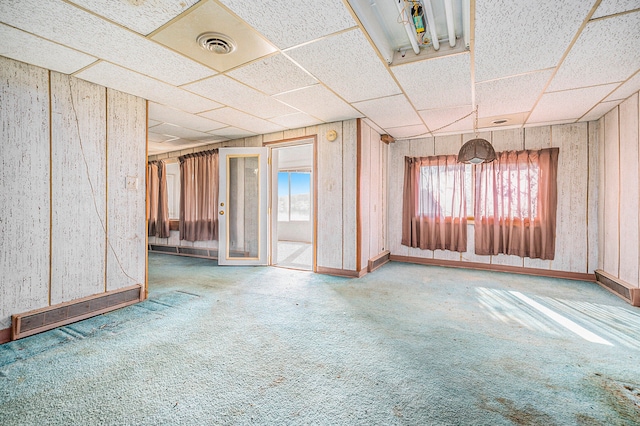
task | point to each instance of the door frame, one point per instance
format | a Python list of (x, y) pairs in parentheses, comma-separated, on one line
[(284, 143)]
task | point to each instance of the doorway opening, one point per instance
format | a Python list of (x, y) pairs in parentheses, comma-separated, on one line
[(293, 205)]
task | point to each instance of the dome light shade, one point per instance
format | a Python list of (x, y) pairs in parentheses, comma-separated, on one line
[(476, 151)]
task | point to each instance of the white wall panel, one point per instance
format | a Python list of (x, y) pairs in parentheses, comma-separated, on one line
[(78, 174), (24, 189), (329, 242), (601, 192), (629, 208), (592, 198), (126, 147), (571, 217), (349, 194), (611, 192), (365, 192)]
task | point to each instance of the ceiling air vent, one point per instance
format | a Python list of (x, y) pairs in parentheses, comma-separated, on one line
[(217, 43)]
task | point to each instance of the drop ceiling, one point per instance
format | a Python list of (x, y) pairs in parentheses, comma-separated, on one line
[(301, 63)]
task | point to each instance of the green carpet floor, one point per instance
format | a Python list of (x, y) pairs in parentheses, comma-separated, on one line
[(405, 345)]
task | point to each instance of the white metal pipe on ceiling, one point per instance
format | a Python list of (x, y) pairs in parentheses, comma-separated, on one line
[(451, 29), (408, 26), (428, 9)]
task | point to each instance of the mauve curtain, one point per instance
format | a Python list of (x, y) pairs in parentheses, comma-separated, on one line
[(157, 200), (434, 205), (199, 196), (515, 204)]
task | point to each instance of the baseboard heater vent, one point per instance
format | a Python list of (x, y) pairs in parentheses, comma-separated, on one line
[(184, 251), (378, 261), (39, 320), (619, 287)]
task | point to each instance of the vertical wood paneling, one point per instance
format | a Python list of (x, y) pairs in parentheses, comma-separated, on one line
[(349, 194), (447, 145), (365, 192), (329, 245), (384, 160), (24, 188), (508, 140), (78, 159), (126, 158), (571, 217), (537, 138), (397, 152), (375, 189), (629, 208), (592, 201), (611, 193), (601, 192)]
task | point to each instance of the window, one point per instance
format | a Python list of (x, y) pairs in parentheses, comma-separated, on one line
[(294, 196), (515, 204), (434, 214), (511, 200)]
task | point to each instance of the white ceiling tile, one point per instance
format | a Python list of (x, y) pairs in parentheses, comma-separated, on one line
[(169, 129), (518, 36), (232, 133), (448, 119), (288, 23), (121, 79), (626, 89), (170, 115), (66, 24), (242, 120), (37, 51), (140, 16), (182, 34), (511, 94), (272, 75), (393, 111), (159, 137), (568, 104), (592, 61), (599, 110), (408, 132), (319, 102), (296, 121), (234, 94), (437, 83), (610, 7), (151, 122), (348, 65)]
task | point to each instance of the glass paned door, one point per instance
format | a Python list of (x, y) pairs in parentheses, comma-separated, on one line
[(243, 206)]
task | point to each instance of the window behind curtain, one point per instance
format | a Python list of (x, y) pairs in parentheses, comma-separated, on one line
[(434, 203), (199, 196), (515, 204)]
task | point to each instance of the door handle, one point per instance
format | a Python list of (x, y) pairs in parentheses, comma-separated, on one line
[(221, 212)]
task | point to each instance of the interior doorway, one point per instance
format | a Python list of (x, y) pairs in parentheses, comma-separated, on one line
[(293, 205)]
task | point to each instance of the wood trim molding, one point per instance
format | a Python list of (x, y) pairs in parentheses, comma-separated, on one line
[(496, 268), (174, 225), (340, 272), (5, 335)]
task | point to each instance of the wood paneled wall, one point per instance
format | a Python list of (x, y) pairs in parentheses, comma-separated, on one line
[(336, 238), (67, 149), (373, 194), (576, 233), (619, 217)]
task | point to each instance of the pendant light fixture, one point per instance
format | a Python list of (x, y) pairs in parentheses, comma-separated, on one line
[(476, 150)]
